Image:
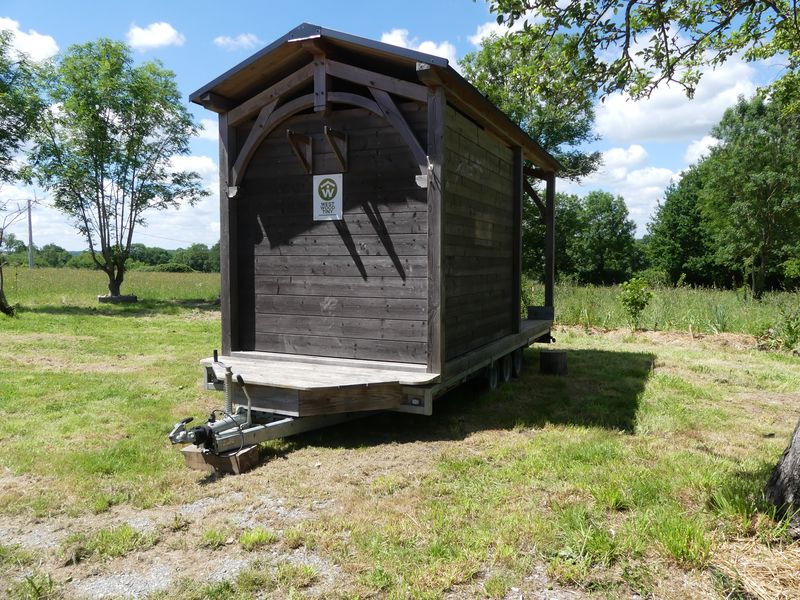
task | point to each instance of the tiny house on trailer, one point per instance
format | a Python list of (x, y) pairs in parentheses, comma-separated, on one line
[(371, 204)]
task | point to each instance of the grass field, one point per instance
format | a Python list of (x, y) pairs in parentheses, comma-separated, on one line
[(640, 472)]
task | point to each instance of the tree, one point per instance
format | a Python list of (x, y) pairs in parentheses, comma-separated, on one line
[(20, 105), (567, 222), (12, 244), (149, 255), (194, 257), (635, 45), (552, 105), (106, 144), (213, 258), (751, 191), (604, 250), (680, 239), (52, 255), (9, 214)]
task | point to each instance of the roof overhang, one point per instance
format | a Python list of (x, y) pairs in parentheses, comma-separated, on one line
[(289, 53)]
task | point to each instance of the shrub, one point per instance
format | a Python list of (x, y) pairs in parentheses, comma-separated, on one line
[(635, 297), (170, 267)]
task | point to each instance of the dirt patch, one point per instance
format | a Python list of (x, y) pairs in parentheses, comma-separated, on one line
[(179, 554)]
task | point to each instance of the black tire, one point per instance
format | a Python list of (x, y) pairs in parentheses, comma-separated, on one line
[(517, 362), (505, 368), (492, 376)]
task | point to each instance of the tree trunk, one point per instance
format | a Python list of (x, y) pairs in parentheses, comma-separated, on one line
[(115, 282), (783, 487), (5, 307)]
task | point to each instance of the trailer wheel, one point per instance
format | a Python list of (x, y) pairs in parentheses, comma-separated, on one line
[(517, 362), (492, 375), (505, 366)]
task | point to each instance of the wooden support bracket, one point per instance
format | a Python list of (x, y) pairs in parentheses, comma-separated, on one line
[(395, 118), (321, 78), (338, 143), (287, 85), (536, 199), (253, 139), (302, 148)]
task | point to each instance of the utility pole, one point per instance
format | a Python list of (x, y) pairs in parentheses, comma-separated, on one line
[(30, 236)]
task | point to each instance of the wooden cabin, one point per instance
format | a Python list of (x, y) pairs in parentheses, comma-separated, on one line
[(371, 203)]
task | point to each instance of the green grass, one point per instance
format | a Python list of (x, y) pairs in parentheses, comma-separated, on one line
[(213, 539), (106, 543), (255, 538), (672, 309), (627, 474), (88, 392)]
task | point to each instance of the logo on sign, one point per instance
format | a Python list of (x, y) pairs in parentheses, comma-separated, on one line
[(327, 189)]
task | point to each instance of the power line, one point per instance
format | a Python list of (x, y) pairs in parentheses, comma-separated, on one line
[(161, 237)]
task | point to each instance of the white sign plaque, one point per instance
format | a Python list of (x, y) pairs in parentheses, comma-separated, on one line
[(328, 194)]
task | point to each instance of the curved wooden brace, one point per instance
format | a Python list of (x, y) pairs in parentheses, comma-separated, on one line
[(269, 118), (257, 135), (355, 100)]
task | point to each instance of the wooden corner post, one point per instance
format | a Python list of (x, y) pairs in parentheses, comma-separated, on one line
[(516, 275), (228, 246), (550, 239), (436, 292)]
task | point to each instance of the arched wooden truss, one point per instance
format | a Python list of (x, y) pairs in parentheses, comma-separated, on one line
[(271, 115)]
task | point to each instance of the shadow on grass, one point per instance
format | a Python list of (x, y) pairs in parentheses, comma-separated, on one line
[(602, 389), (140, 308)]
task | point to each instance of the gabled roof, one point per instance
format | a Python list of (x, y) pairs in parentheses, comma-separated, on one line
[(287, 54)]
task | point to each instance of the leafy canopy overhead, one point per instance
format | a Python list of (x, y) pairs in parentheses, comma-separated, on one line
[(634, 45), (107, 145), (552, 105), (20, 104)]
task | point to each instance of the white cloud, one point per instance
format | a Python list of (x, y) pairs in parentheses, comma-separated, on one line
[(205, 166), (668, 114), (400, 37), (208, 130), (493, 27), (154, 35), (243, 41), (36, 45), (641, 187), (625, 157), (699, 148)]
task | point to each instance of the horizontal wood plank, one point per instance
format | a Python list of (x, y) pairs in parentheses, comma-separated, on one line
[(342, 327), (397, 308), (408, 266), (413, 352), (313, 285), (333, 245)]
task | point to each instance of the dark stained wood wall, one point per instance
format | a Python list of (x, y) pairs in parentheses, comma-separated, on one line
[(355, 288), (478, 237)]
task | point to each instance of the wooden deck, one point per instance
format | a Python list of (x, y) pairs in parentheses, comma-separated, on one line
[(290, 371), (304, 385)]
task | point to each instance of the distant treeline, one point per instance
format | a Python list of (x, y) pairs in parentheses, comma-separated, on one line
[(197, 257)]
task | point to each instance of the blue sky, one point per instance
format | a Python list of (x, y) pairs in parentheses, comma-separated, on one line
[(646, 144)]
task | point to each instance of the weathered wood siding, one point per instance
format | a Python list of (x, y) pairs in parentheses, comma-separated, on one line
[(478, 237), (354, 288)]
